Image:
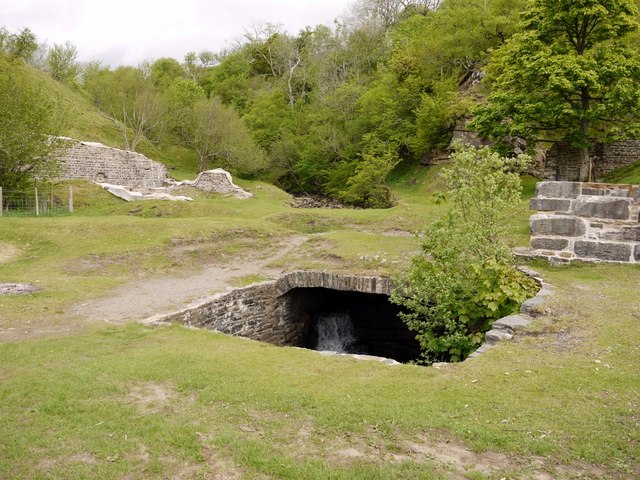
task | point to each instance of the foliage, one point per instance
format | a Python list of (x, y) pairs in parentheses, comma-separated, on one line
[(218, 135), (127, 97), (464, 279), (22, 45), (30, 119), (567, 73), (61, 62), (164, 71), (366, 187)]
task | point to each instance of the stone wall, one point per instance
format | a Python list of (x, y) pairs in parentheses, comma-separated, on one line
[(560, 162), (264, 312), (102, 164), (586, 221)]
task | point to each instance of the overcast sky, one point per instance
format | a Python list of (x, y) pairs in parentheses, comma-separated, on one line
[(129, 31)]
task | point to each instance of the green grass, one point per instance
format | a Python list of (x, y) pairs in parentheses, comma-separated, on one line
[(150, 402), (86, 406), (629, 174)]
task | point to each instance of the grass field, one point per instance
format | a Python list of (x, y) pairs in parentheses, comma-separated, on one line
[(87, 400)]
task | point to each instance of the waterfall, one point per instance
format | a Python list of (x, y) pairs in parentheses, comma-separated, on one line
[(335, 332)]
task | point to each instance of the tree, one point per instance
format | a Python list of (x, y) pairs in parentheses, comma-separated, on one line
[(566, 74), (19, 45), (465, 278), (219, 137), (61, 62), (127, 98), (30, 121), (164, 71)]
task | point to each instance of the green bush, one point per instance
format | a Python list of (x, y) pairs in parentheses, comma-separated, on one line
[(465, 277)]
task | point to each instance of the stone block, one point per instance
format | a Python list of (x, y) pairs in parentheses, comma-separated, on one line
[(546, 243), (533, 307), (594, 191), (511, 323), (556, 225), (617, 252), (614, 208), (621, 233), (558, 189), (636, 253), (550, 204), (494, 336)]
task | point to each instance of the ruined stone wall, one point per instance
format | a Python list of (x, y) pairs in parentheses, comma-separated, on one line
[(560, 162), (586, 221), (264, 312), (99, 163)]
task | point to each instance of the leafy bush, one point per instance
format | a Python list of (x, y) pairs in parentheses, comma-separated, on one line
[(366, 187), (465, 277)]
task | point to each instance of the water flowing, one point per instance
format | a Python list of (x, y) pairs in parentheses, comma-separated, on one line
[(335, 332)]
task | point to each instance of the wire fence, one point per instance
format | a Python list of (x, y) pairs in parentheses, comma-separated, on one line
[(49, 200)]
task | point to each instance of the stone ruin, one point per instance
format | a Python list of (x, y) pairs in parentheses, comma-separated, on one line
[(595, 222), (218, 181), (102, 164), (132, 176)]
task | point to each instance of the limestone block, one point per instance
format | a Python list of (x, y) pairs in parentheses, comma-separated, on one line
[(550, 204), (495, 336), (546, 243), (533, 307), (558, 189), (621, 233), (617, 252), (636, 253), (511, 323), (615, 208), (558, 225)]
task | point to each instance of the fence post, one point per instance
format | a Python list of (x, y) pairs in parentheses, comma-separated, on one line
[(70, 198), (37, 206), (1, 206)]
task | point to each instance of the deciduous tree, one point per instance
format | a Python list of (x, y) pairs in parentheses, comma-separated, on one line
[(61, 62), (30, 121), (128, 98), (568, 75)]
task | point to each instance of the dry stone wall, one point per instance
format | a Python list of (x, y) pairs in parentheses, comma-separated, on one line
[(560, 161), (586, 221), (102, 164), (264, 312)]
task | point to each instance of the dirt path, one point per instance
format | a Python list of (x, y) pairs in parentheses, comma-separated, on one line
[(139, 300)]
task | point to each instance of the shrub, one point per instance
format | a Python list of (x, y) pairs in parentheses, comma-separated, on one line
[(465, 277)]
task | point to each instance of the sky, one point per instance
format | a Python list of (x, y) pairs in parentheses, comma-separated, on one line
[(126, 32)]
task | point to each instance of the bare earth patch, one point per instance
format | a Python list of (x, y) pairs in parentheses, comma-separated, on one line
[(141, 299), (151, 397), (7, 252)]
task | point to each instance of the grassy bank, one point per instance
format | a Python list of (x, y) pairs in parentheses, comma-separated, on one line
[(142, 402), (560, 401)]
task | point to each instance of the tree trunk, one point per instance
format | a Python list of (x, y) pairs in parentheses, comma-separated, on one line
[(585, 165)]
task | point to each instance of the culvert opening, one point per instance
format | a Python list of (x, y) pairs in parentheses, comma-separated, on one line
[(349, 322)]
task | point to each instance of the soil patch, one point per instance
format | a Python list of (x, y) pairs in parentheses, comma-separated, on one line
[(7, 252), (151, 397), (144, 298)]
